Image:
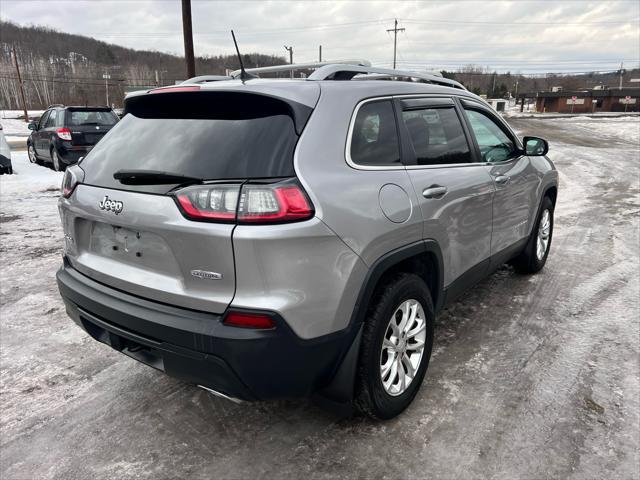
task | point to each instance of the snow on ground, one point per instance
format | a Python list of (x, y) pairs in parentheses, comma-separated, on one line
[(27, 178), (15, 128), (5, 114), (532, 376)]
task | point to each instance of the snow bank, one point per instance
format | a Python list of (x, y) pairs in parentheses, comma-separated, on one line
[(27, 178)]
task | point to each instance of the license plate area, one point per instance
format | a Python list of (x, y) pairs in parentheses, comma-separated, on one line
[(135, 247), (112, 240)]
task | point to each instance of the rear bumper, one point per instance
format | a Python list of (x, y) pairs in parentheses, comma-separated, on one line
[(71, 154), (196, 347)]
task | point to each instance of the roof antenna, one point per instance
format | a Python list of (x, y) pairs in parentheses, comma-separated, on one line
[(243, 73)]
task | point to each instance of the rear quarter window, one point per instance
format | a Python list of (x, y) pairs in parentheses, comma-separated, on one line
[(374, 135)]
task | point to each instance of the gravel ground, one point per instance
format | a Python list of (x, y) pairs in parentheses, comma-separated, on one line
[(532, 377)]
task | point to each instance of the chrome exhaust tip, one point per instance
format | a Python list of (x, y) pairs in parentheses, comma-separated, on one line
[(222, 395)]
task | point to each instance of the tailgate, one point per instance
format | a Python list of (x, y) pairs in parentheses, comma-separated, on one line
[(126, 230), (149, 249), (87, 135)]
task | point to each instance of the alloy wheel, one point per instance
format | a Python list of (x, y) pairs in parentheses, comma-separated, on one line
[(32, 154), (403, 347), (544, 232)]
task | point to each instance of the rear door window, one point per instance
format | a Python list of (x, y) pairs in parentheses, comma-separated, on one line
[(437, 136), (232, 137), (374, 138)]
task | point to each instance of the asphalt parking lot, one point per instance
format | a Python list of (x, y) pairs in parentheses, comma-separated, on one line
[(531, 377)]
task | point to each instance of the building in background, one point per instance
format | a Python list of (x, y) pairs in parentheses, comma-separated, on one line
[(498, 104), (600, 99)]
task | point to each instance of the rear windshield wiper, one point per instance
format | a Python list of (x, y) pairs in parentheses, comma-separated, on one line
[(152, 177)]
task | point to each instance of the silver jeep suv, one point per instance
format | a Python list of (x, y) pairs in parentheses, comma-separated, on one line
[(275, 238)]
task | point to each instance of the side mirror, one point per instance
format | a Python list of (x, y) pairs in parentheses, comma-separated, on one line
[(32, 126), (535, 146)]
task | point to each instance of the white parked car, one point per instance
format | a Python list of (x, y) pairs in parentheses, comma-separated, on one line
[(5, 155)]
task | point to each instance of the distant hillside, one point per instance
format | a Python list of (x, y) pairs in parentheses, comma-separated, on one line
[(63, 68)]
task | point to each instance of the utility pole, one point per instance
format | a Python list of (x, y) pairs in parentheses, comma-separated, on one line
[(106, 77), (395, 31), (621, 74), (290, 50), (188, 38), (24, 103), (320, 53)]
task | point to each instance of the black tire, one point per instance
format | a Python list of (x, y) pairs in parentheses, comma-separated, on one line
[(528, 261), (371, 397)]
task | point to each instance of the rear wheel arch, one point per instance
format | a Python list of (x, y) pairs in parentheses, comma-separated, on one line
[(423, 258)]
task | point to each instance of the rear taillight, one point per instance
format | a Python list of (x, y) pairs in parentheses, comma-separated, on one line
[(73, 176), (248, 203), (248, 320), (210, 202), (278, 203), (64, 134)]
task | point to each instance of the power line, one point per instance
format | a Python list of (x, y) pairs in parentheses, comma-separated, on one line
[(243, 32), (306, 28), (509, 24)]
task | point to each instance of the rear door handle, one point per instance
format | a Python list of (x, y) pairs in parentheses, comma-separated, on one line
[(502, 179), (434, 191)]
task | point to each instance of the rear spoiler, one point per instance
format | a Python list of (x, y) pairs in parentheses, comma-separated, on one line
[(100, 108)]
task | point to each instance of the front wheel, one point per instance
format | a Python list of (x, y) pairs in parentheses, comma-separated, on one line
[(31, 152), (396, 347), (535, 254)]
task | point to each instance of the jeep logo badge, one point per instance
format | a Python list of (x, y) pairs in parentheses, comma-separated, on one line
[(111, 205)]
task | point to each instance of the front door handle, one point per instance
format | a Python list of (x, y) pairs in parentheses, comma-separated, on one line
[(434, 191), (502, 179)]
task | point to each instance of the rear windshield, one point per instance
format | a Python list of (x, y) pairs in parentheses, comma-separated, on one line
[(77, 118), (239, 140)]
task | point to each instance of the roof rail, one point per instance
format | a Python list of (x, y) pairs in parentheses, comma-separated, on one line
[(347, 72), (205, 79), (55, 105), (300, 66)]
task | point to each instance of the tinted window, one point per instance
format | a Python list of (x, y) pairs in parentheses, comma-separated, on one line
[(375, 137), (256, 144), (495, 145), (51, 121), (437, 136), (43, 119), (90, 117)]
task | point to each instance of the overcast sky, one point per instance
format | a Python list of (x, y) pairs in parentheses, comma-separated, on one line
[(523, 36)]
